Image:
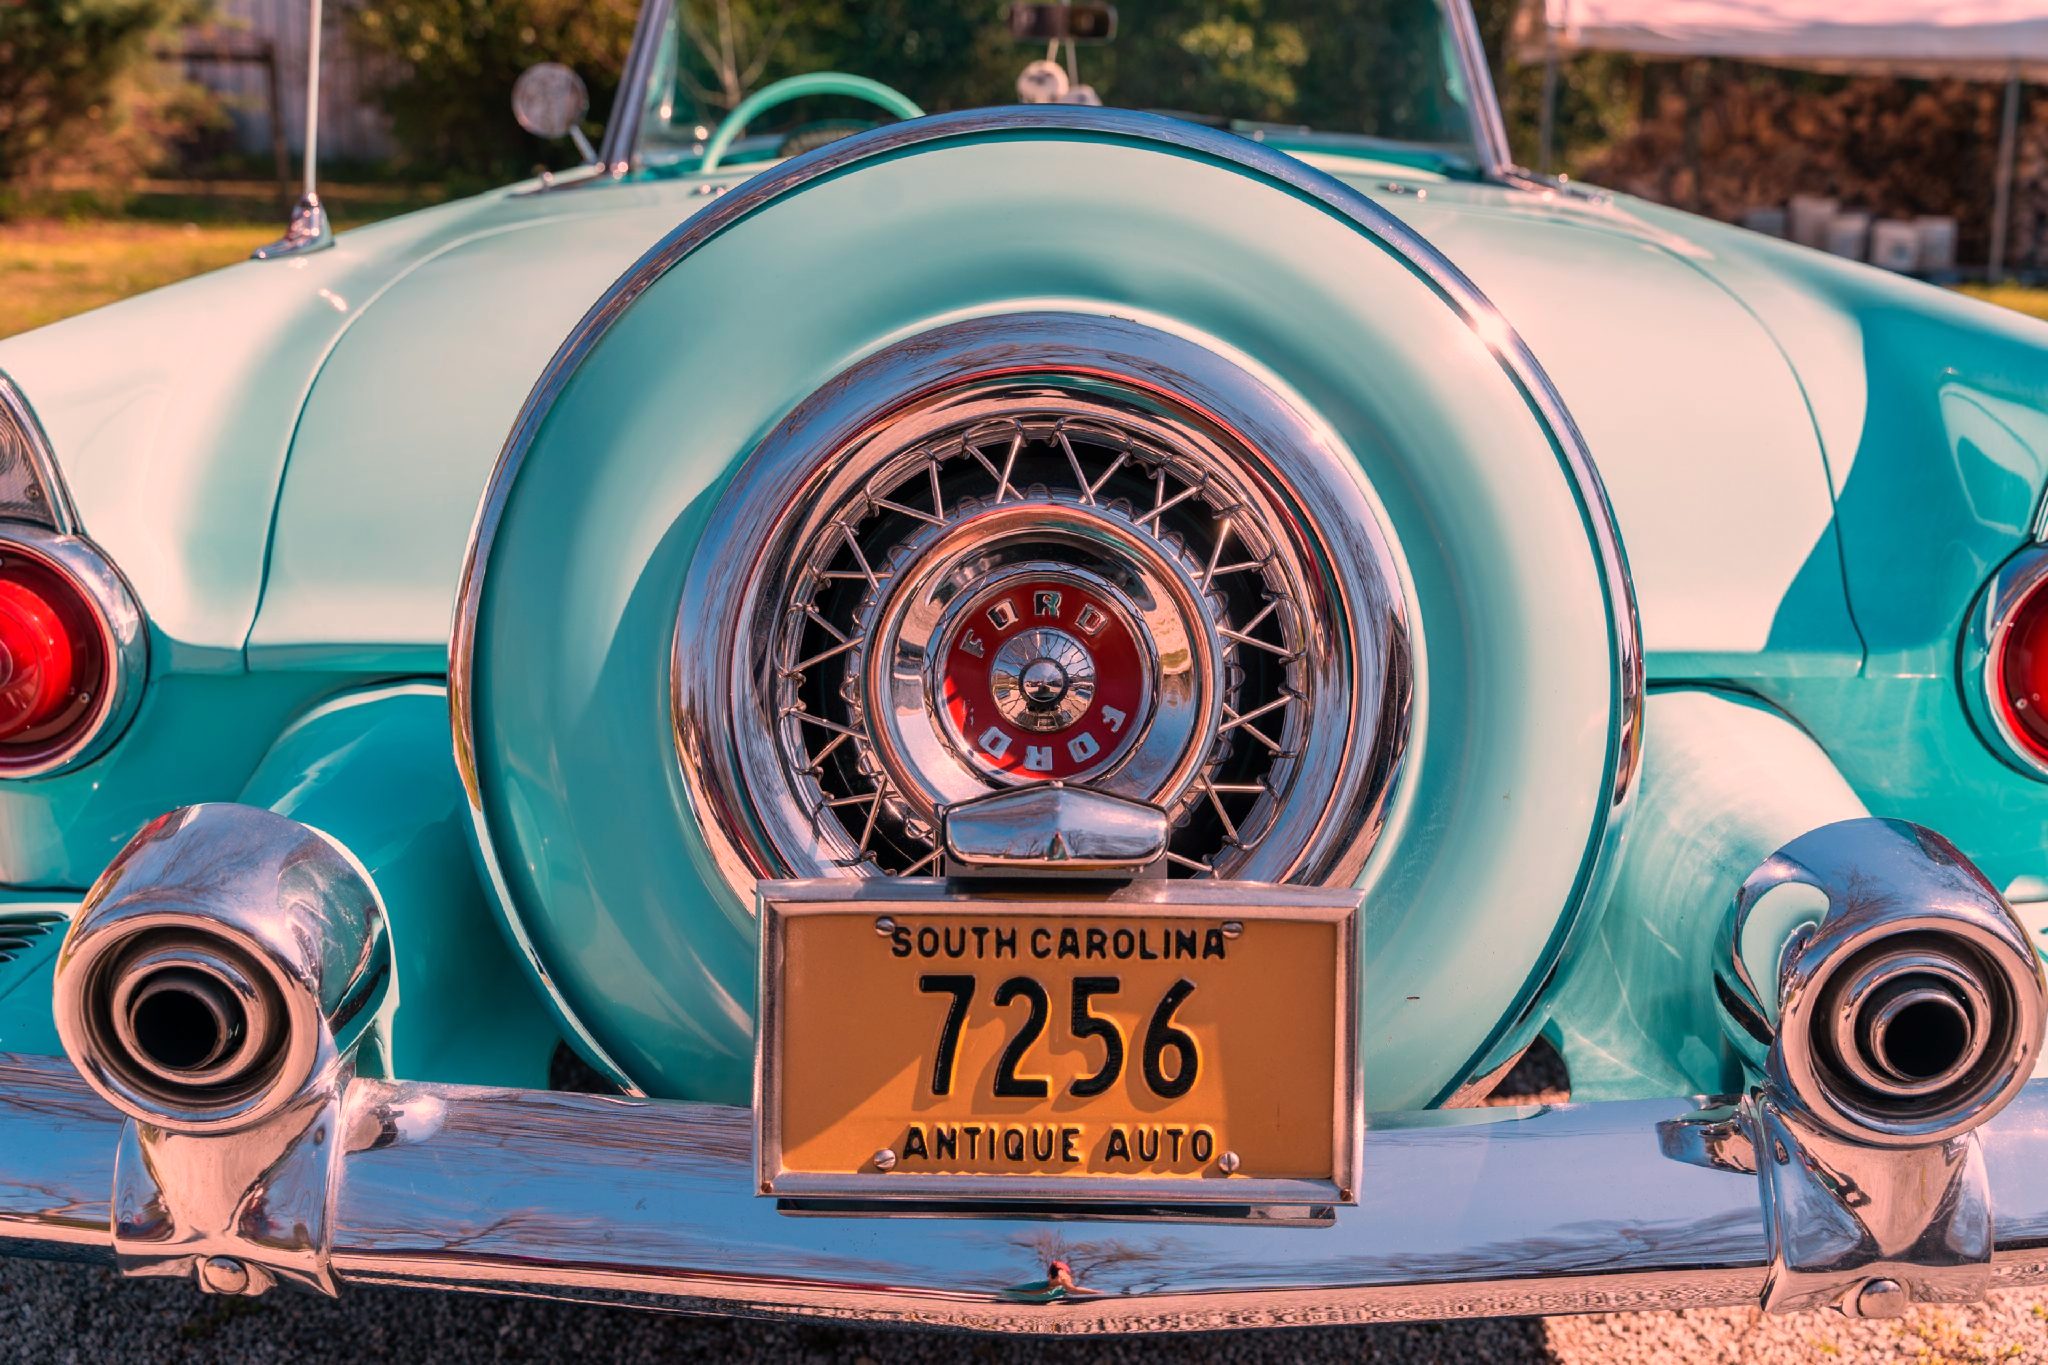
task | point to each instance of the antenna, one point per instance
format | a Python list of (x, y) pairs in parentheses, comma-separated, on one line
[(307, 229)]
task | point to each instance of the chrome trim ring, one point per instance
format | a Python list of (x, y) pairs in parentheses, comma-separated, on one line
[(1458, 292), (1323, 741), (1983, 649), (124, 640)]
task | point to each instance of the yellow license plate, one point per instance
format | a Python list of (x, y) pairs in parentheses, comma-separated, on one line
[(1170, 1042)]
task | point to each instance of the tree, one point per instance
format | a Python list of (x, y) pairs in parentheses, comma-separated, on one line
[(77, 78), (450, 64)]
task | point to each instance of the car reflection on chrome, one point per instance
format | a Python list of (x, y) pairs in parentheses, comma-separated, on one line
[(1042, 697)]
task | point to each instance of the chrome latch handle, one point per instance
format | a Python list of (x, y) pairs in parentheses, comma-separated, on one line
[(1053, 830)]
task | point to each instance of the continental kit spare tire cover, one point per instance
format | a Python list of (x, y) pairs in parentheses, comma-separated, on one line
[(1356, 608)]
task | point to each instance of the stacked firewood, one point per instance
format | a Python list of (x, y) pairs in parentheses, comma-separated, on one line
[(1750, 138)]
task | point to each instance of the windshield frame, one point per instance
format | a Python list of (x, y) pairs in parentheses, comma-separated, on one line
[(619, 155)]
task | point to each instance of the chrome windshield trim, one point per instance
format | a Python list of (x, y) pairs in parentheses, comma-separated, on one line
[(1489, 129), (618, 154), (18, 422), (616, 151), (1431, 265)]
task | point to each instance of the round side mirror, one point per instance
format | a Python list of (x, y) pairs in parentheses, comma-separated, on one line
[(550, 100)]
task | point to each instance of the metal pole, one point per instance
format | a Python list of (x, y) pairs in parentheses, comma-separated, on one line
[(311, 177), (2001, 197), (308, 228)]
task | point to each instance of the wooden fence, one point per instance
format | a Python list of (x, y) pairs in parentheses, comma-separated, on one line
[(253, 55)]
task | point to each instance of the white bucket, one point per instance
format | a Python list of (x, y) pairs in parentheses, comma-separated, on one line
[(1937, 242), (1811, 214), (1849, 235), (1895, 245)]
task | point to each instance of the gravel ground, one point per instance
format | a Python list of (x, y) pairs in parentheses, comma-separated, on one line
[(51, 1313)]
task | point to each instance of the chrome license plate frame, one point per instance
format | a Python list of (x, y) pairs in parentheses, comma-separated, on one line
[(780, 904)]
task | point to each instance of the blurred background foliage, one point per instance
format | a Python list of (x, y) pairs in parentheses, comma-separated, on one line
[(79, 90), (86, 97), (450, 64)]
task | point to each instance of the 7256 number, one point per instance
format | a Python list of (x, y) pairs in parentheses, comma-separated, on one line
[(1164, 1042)]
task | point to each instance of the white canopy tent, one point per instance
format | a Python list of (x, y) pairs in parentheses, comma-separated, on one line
[(1983, 39)]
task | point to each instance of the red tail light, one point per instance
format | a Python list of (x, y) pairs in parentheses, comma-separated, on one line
[(2008, 654), (35, 657), (71, 647), (2023, 671)]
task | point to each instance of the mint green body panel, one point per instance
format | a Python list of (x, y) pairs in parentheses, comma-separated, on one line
[(576, 762), (384, 477), (197, 737), (1682, 460), (371, 769), (1726, 782), (1815, 467), (26, 1022)]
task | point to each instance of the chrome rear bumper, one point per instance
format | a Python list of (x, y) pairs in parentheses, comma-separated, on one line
[(1462, 1213)]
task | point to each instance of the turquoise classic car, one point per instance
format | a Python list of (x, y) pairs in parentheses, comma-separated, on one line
[(1003, 719)]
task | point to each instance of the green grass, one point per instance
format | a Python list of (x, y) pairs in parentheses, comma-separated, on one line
[(66, 262), (2018, 297), (52, 270)]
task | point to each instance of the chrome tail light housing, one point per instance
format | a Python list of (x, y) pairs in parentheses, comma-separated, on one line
[(2005, 662), (74, 651)]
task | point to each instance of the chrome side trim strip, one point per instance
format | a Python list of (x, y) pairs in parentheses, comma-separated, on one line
[(1431, 265), (1477, 1213)]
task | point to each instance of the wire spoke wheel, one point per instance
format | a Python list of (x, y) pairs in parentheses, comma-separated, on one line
[(1074, 575)]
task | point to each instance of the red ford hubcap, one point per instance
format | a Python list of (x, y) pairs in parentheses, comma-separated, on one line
[(1044, 677)]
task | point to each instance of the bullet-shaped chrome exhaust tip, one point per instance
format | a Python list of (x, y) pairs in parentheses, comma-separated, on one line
[(226, 958), (1907, 1007)]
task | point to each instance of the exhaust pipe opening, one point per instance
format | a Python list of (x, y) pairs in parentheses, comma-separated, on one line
[(1918, 1033), (226, 962), (1917, 1029), (183, 1021), (1909, 1001)]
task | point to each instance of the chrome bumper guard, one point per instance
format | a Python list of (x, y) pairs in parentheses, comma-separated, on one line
[(1461, 1213), (218, 979)]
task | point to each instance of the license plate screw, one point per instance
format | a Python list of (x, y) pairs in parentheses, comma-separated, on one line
[(885, 1160), (1228, 1163), (1232, 928), (885, 926)]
